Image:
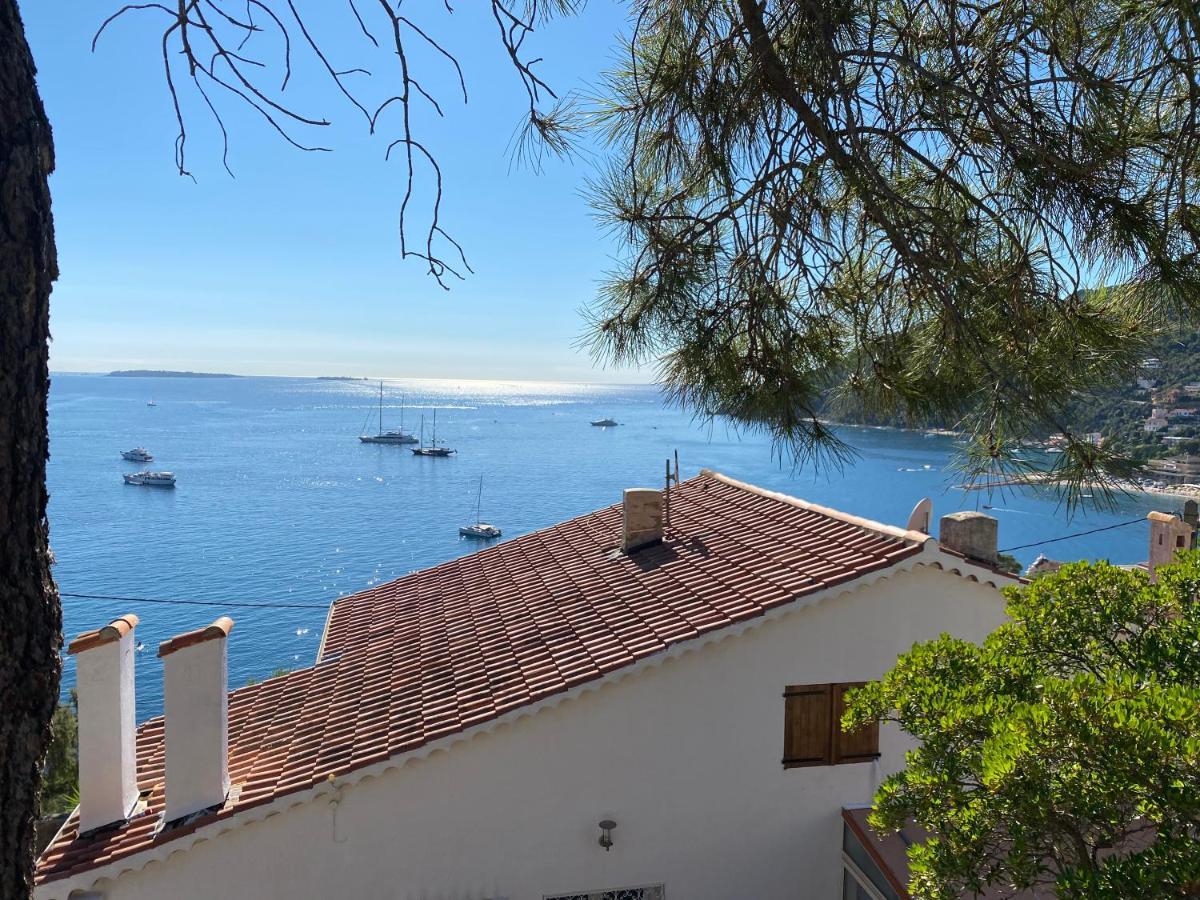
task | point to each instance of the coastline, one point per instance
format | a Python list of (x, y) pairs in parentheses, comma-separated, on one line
[(1184, 491)]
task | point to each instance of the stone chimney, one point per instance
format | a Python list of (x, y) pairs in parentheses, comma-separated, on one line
[(642, 513), (973, 534), (1191, 514), (196, 706), (108, 788), (1169, 534)]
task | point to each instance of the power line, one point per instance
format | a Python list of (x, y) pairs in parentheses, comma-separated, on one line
[(235, 604), (241, 604), (1067, 537)]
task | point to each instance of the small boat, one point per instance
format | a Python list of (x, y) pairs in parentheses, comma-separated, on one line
[(137, 454), (480, 530), (388, 437), (151, 479), (433, 449), (151, 402), (605, 423)]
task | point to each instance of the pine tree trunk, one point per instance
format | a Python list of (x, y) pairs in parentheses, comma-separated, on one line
[(30, 617)]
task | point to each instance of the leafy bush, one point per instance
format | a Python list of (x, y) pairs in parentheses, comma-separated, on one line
[(1065, 751)]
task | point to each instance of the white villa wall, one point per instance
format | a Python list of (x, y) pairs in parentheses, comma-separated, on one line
[(684, 756)]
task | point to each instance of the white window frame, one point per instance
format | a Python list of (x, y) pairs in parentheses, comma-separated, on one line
[(859, 876)]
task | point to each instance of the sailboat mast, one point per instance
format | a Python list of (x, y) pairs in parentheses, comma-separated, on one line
[(381, 407), (478, 501)]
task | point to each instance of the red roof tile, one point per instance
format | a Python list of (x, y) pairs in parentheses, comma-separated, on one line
[(443, 649)]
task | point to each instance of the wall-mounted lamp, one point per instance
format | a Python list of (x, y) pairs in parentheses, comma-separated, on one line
[(606, 827)]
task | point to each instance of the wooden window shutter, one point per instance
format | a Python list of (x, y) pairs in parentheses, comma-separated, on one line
[(855, 746), (806, 725)]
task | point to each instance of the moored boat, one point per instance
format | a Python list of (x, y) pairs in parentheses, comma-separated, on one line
[(388, 437), (480, 530), (605, 423), (150, 479), (432, 449), (137, 454)]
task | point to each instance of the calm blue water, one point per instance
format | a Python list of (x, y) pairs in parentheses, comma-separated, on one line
[(278, 501)]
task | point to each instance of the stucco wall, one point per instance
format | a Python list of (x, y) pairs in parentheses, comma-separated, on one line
[(685, 757)]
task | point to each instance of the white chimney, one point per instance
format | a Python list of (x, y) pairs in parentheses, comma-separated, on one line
[(108, 788), (196, 707), (642, 518)]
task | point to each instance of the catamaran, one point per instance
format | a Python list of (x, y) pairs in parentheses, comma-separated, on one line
[(433, 449), (137, 454), (151, 479), (480, 529), (388, 437)]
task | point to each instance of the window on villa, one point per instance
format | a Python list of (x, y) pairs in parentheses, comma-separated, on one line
[(812, 734), (862, 879), (647, 892)]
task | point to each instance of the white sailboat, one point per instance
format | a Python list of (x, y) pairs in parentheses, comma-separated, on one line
[(388, 437), (433, 449), (480, 530)]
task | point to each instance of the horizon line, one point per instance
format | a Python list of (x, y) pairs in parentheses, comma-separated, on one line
[(188, 372)]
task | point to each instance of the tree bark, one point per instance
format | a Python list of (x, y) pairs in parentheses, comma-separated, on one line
[(30, 616)]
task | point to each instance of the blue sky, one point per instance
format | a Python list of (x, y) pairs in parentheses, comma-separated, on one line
[(293, 267)]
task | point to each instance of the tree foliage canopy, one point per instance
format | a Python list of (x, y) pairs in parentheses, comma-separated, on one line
[(902, 201), (1065, 751)]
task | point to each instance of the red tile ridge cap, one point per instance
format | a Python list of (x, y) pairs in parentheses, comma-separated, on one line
[(1157, 516), (325, 630), (218, 629), (113, 631), (904, 534)]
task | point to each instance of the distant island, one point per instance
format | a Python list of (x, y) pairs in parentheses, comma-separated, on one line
[(340, 378), (163, 373)]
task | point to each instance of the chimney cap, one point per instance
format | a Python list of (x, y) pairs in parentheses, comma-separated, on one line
[(113, 631), (218, 629), (1157, 516)]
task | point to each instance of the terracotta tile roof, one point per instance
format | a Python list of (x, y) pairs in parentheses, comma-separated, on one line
[(450, 647)]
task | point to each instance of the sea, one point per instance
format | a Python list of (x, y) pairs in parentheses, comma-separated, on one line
[(279, 504)]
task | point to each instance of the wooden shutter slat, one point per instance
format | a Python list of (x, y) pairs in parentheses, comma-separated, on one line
[(861, 745), (806, 730)]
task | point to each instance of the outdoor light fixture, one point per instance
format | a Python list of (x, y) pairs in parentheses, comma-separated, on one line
[(606, 827)]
